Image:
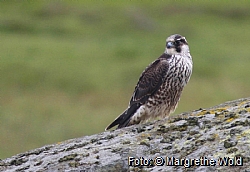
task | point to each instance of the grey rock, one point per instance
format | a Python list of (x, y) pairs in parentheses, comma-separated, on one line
[(201, 136)]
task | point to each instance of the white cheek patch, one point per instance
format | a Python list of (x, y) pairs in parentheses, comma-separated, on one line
[(170, 51), (185, 48)]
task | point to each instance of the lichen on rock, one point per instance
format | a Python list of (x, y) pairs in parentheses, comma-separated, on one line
[(220, 133)]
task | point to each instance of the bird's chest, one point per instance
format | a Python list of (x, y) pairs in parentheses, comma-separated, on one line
[(173, 83), (179, 73)]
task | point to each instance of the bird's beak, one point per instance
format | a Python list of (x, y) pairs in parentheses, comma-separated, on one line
[(170, 45)]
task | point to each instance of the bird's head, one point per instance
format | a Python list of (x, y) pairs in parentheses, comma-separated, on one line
[(176, 44)]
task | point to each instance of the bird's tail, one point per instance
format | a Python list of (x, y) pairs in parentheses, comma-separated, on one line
[(124, 119)]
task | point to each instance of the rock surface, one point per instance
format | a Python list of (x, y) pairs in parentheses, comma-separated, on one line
[(186, 142)]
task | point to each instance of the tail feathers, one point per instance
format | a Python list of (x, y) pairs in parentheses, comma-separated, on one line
[(124, 119)]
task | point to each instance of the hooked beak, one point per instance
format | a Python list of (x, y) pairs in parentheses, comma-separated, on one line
[(170, 44)]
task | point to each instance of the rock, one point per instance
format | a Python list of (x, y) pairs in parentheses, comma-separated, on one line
[(214, 139)]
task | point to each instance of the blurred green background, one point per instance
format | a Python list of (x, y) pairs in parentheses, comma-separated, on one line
[(68, 68)]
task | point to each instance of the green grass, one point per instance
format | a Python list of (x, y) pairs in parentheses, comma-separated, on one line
[(69, 68)]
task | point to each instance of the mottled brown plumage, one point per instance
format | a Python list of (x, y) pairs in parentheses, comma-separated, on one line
[(159, 88)]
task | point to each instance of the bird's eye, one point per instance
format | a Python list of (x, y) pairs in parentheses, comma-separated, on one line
[(183, 40)]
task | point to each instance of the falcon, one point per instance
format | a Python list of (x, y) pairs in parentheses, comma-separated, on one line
[(160, 85)]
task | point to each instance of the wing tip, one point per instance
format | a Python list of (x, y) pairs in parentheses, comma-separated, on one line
[(114, 123), (110, 126), (120, 120), (123, 120)]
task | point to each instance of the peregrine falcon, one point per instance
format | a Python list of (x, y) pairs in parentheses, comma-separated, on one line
[(160, 85)]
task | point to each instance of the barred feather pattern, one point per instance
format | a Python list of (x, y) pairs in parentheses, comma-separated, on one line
[(160, 85), (166, 99)]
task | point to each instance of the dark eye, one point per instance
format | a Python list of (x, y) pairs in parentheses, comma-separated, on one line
[(184, 41)]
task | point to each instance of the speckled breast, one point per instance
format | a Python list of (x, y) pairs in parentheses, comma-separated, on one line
[(165, 100)]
